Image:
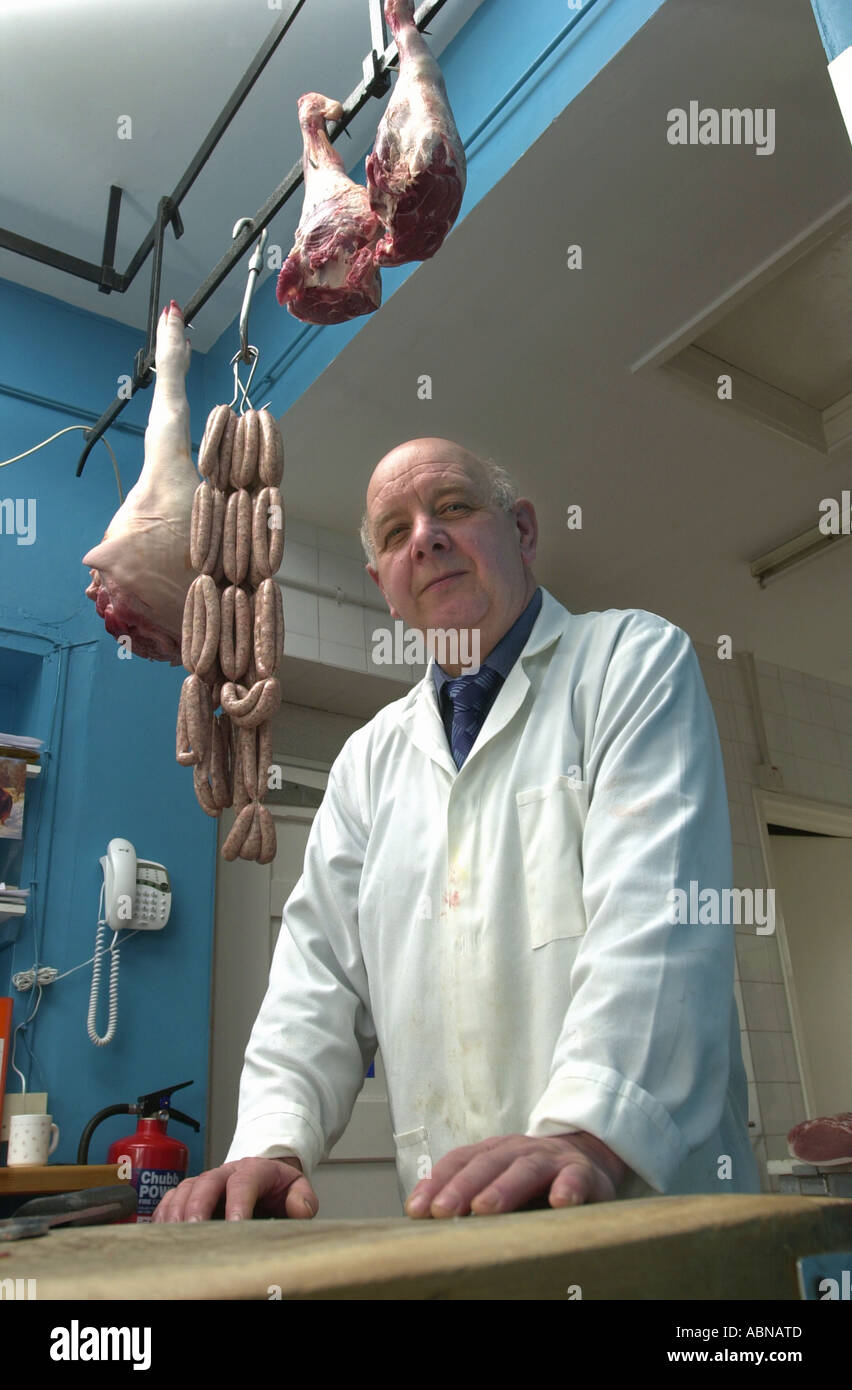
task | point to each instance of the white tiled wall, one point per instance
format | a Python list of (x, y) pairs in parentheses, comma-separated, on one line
[(809, 728), (323, 629)]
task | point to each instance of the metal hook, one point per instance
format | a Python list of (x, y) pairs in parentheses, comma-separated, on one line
[(247, 353), (238, 385)]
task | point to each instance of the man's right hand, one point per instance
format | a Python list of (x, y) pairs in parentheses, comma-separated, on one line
[(276, 1185)]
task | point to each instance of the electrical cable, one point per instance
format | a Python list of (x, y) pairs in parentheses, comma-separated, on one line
[(5, 462)]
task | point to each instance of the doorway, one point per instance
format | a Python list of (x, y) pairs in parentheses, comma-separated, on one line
[(807, 850)]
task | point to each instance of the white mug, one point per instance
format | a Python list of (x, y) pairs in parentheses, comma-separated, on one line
[(32, 1138)]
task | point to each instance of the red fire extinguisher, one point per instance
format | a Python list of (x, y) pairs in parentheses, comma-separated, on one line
[(157, 1162)]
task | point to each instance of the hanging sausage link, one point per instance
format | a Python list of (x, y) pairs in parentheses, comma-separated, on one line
[(233, 626)]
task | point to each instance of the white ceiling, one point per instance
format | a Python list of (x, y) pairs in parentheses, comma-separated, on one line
[(71, 68), (530, 361)]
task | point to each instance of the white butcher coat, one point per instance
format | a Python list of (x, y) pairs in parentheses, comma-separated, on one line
[(502, 931)]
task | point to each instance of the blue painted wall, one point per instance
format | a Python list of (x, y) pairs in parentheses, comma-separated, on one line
[(109, 724)]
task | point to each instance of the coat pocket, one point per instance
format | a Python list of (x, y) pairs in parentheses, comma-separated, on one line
[(413, 1158), (551, 820)]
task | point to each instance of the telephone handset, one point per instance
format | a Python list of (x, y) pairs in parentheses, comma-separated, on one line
[(138, 892), (137, 896)]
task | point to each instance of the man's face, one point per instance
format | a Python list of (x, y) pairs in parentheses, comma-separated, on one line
[(432, 519)]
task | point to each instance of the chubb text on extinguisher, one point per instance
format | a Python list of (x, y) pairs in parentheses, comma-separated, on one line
[(153, 1185)]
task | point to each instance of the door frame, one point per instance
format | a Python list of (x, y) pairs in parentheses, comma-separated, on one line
[(799, 813)]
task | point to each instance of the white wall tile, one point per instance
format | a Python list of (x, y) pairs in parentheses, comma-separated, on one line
[(776, 1146), (804, 739), (739, 824), (754, 1109), (339, 654), (746, 727), (301, 531), (842, 712), (299, 562), (372, 593), (778, 732), (790, 1059), (750, 757), (811, 782), (758, 868), (793, 677), (782, 1008), (835, 781), (761, 1010), (301, 613), (713, 672), (340, 572), (755, 962), (845, 745), (767, 1052), (726, 719), (305, 648), (775, 1106), (341, 623), (814, 682), (795, 702), (771, 698), (731, 760), (737, 688), (339, 542), (827, 744), (745, 1048), (819, 706)]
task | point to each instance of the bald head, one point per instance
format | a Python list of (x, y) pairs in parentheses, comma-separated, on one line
[(450, 543)]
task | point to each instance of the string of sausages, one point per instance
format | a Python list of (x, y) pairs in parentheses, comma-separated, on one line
[(233, 626)]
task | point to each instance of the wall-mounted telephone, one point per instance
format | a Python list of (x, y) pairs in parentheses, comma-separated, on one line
[(136, 896)]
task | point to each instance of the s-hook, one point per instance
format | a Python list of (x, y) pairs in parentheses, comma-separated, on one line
[(247, 353)]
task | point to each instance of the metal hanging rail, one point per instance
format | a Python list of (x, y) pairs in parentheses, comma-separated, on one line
[(374, 83)]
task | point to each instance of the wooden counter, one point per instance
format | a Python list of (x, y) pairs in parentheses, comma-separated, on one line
[(39, 1179), (735, 1247)]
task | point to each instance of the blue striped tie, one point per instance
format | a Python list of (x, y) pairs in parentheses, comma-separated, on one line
[(468, 694)]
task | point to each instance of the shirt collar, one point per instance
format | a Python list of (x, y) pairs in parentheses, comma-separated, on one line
[(508, 649)]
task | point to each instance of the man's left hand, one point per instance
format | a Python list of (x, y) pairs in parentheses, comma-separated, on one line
[(503, 1174)]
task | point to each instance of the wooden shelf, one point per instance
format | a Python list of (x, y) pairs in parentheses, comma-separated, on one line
[(57, 1177)]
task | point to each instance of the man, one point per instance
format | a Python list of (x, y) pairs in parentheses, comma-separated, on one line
[(486, 895)]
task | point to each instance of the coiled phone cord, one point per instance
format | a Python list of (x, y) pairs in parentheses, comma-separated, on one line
[(112, 1019)]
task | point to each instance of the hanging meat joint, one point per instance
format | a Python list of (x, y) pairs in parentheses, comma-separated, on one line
[(141, 570), (330, 274), (417, 171)]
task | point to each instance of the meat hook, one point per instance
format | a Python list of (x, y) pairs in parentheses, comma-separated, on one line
[(247, 353)]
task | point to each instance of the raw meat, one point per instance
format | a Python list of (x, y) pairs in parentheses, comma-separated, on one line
[(417, 171), (330, 275), (824, 1141), (141, 570)]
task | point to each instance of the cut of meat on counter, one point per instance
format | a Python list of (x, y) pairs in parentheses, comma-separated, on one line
[(330, 274), (824, 1141), (417, 171), (141, 570)]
